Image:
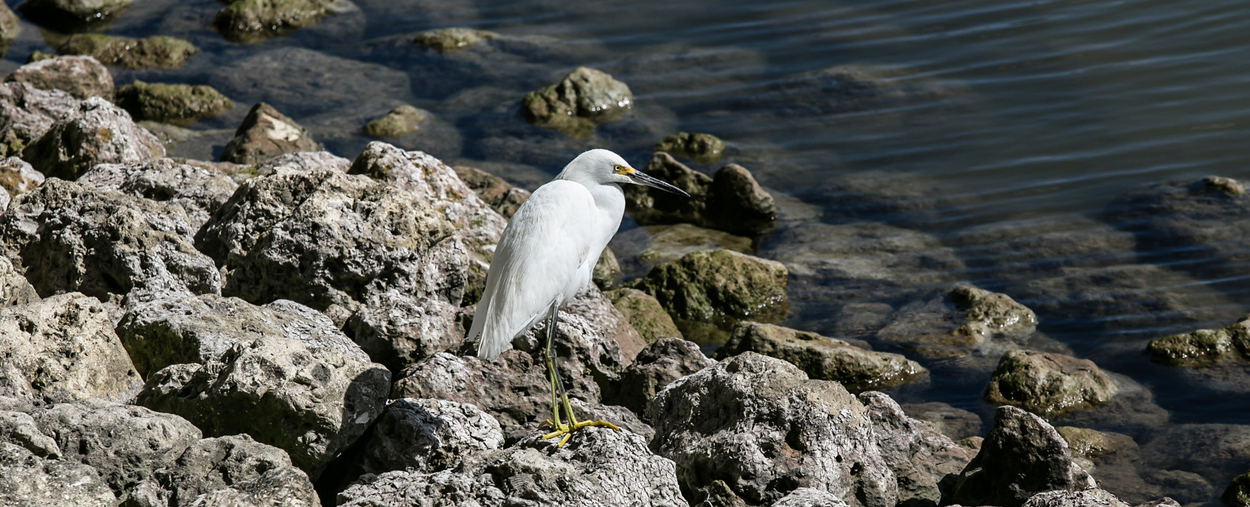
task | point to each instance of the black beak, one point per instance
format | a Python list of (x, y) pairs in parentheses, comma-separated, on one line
[(642, 179)]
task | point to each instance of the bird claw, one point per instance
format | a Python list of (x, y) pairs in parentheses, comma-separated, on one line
[(566, 430)]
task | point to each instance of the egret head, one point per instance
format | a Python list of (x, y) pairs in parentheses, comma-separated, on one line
[(602, 167)]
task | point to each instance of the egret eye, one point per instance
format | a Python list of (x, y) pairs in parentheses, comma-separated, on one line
[(620, 169)]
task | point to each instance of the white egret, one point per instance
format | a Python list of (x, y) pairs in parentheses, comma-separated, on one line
[(546, 255)]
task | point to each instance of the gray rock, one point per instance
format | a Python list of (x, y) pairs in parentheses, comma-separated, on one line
[(597, 467), (16, 177), (198, 191), (26, 113), (304, 161), (1048, 384), (1086, 498), (761, 426), (80, 76), (581, 100), (63, 349), (29, 480), (644, 313), (20, 429), (656, 366), (957, 424), (306, 82), (311, 396), (68, 236), (495, 191), (822, 357), (235, 470), (399, 330), (159, 51), (264, 134), (926, 463), (67, 15), (327, 240), (427, 436), (175, 104), (98, 133), (251, 21), (809, 497), (397, 122), (450, 40), (601, 339), (1022, 455), (730, 201), (607, 271), (14, 289)]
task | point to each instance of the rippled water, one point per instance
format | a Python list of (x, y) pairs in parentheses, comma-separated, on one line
[(1005, 122)]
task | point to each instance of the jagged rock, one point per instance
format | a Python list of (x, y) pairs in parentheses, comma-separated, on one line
[(250, 21), (26, 113), (327, 240), (98, 133), (63, 349), (1086, 498), (71, 15), (264, 134), (235, 470), (761, 426), (159, 51), (1237, 493), (428, 436), (702, 148), (1203, 347), (823, 358), (658, 365), (498, 193), (175, 104), (399, 330), (397, 122), (304, 161), (20, 429), (644, 313), (967, 318), (925, 463), (80, 76), (1022, 455), (199, 192), (67, 236), (450, 40), (730, 201), (955, 423), (1048, 384), (14, 289), (581, 100), (308, 82), (27, 479), (16, 177), (809, 497), (597, 467), (311, 396)]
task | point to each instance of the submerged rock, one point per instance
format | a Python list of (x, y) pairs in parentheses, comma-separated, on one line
[(955, 423), (80, 76), (250, 21), (762, 427), (71, 15), (823, 358), (198, 191), (450, 40), (730, 201), (644, 313), (63, 349), (152, 52), (582, 100), (925, 462), (175, 104), (397, 122), (264, 134), (702, 148), (656, 366), (1204, 347), (1048, 384), (966, 319), (498, 193), (307, 82), (97, 133)]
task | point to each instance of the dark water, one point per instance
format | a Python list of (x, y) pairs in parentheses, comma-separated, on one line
[(1011, 116)]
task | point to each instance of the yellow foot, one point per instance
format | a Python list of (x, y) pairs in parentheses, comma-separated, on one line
[(566, 430)]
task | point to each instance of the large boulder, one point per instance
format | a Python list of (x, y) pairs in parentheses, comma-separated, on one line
[(1022, 455), (822, 357), (761, 426), (80, 76), (1048, 384), (581, 100), (159, 51), (98, 133), (1203, 347), (730, 201), (659, 364), (63, 349), (925, 462), (26, 113), (67, 236), (308, 82), (198, 191), (175, 104), (265, 133), (28, 479), (399, 330), (250, 21)]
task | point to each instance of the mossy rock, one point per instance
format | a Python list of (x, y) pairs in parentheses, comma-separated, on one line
[(1084, 442), (701, 148), (644, 313), (450, 40), (248, 21), (1204, 347), (151, 52), (397, 122), (1048, 384), (719, 287), (175, 104), (581, 100)]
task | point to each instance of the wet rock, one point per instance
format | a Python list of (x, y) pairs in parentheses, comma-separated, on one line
[(1086, 498), (428, 436), (1131, 410), (823, 358), (251, 21), (730, 201), (966, 319), (957, 424), (235, 470), (159, 51), (26, 113), (16, 177), (1188, 455), (67, 236), (1048, 384), (702, 148), (642, 248), (597, 467), (656, 366), (264, 134), (644, 313), (175, 104), (311, 396), (1022, 455), (761, 426), (581, 100), (591, 331), (198, 191), (839, 89), (80, 76), (27, 479), (63, 349), (1024, 250), (71, 15), (306, 82), (1186, 486), (397, 122), (1203, 347), (399, 330), (1238, 491), (450, 40), (925, 462), (97, 133), (14, 289), (1229, 186), (1113, 459), (495, 191), (719, 287)]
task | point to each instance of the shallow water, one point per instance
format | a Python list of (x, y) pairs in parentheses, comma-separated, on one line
[(1010, 116)]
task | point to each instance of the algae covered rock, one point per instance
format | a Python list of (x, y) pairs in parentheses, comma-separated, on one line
[(1204, 347), (823, 358), (1238, 491), (719, 287), (730, 201), (1048, 384), (97, 133), (450, 40), (644, 313), (702, 148), (249, 21), (582, 100), (397, 122), (175, 104), (80, 76), (265, 133), (159, 51)]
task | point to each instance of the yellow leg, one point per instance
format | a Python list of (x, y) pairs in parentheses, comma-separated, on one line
[(565, 431)]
